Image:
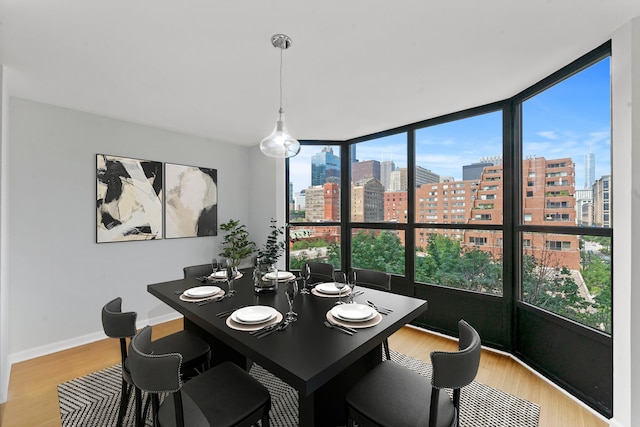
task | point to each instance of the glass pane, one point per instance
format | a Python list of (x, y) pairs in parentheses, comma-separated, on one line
[(570, 276), (381, 250), (463, 259), (313, 243), (567, 151), (459, 171), (379, 177), (314, 184)]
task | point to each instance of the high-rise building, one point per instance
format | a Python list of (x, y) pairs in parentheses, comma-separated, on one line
[(314, 201), (399, 178), (584, 207), (589, 169), (367, 201), (386, 167), (601, 202), (353, 153), (325, 167), (365, 169), (474, 170)]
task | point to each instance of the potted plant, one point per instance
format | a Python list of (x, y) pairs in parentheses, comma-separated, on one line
[(274, 246), (236, 245)]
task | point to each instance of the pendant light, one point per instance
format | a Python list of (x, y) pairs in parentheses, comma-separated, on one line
[(280, 144)]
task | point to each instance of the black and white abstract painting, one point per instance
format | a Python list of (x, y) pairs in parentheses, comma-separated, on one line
[(191, 206), (129, 199)]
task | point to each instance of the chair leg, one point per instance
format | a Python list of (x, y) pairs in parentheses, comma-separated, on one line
[(124, 400), (387, 353), (139, 420), (264, 422)]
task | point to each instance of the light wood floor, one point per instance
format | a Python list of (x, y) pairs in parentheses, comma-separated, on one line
[(33, 399)]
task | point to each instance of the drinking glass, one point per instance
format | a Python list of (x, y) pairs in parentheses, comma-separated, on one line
[(305, 273), (215, 266), (340, 281), (230, 277), (351, 282), (291, 290)]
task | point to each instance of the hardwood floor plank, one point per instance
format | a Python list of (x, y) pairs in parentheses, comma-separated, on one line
[(33, 396)]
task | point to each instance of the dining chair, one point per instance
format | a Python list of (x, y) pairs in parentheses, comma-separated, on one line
[(197, 270), (122, 325), (393, 395), (379, 280), (224, 395), (320, 272)]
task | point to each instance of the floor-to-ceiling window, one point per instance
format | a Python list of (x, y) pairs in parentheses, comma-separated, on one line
[(500, 214)]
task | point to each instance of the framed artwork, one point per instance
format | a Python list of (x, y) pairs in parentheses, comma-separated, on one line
[(191, 201), (129, 199)]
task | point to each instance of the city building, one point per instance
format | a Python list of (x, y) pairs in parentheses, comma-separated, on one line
[(474, 170), (602, 202), (386, 167), (365, 169), (367, 201), (325, 167)]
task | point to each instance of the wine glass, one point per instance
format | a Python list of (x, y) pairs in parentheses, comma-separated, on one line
[(305, 273), (230, 277), (340, 281), (351, 282), (215, 266), (291, 290)]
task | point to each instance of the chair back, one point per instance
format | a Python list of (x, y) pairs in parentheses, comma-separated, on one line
[(321, 272), (197, 270), (457, 369), (117, 324), (372, 279), (153, 373)]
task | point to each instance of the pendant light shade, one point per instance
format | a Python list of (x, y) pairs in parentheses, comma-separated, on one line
[(280, 144)]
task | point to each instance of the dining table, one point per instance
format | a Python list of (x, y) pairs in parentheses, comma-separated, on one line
[(319, 362)]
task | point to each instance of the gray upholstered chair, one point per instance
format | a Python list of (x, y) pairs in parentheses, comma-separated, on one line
[(197, 270), (320, 272), (377, 280), (117, 324), (392, 395), (224, 395)]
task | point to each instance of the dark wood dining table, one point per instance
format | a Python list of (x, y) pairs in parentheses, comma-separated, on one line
[(320, 363)]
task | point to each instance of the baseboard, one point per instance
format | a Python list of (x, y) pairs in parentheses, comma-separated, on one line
[(78, 341), (530, 369)]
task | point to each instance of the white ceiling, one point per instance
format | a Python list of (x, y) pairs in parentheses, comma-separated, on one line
[(207, 67)]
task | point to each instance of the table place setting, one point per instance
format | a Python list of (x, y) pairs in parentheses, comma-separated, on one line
[(380, 309), (253, 318), (201, 294), (281, 276), (221, 276), (353, 316), (330, 290)]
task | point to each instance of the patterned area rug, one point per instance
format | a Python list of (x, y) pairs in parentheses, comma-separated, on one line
[(93, 400)]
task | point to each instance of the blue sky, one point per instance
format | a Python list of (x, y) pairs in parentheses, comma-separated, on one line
[(569, 119)]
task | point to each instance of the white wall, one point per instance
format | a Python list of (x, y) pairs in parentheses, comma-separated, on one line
[(59, 277), (625, 69), (4, 312)]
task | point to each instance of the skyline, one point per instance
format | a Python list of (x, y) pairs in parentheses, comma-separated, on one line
[(568, 120)]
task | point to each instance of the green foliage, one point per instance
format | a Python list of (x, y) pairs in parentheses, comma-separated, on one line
[(445, 263), (382, 251), (274, 246), (236, 244)]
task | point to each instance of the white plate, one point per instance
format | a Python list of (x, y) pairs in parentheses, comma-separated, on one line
[(219, 275), (329, 288), (353, 312), (281, 275), (202, 291), (254, 314)]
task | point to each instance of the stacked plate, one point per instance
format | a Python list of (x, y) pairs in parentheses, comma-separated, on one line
[(200, 293), (354, 315), (281, 276), (329, 288), (222, 275), (254, 315)]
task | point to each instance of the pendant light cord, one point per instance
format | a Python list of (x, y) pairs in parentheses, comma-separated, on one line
[(281, 110)]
